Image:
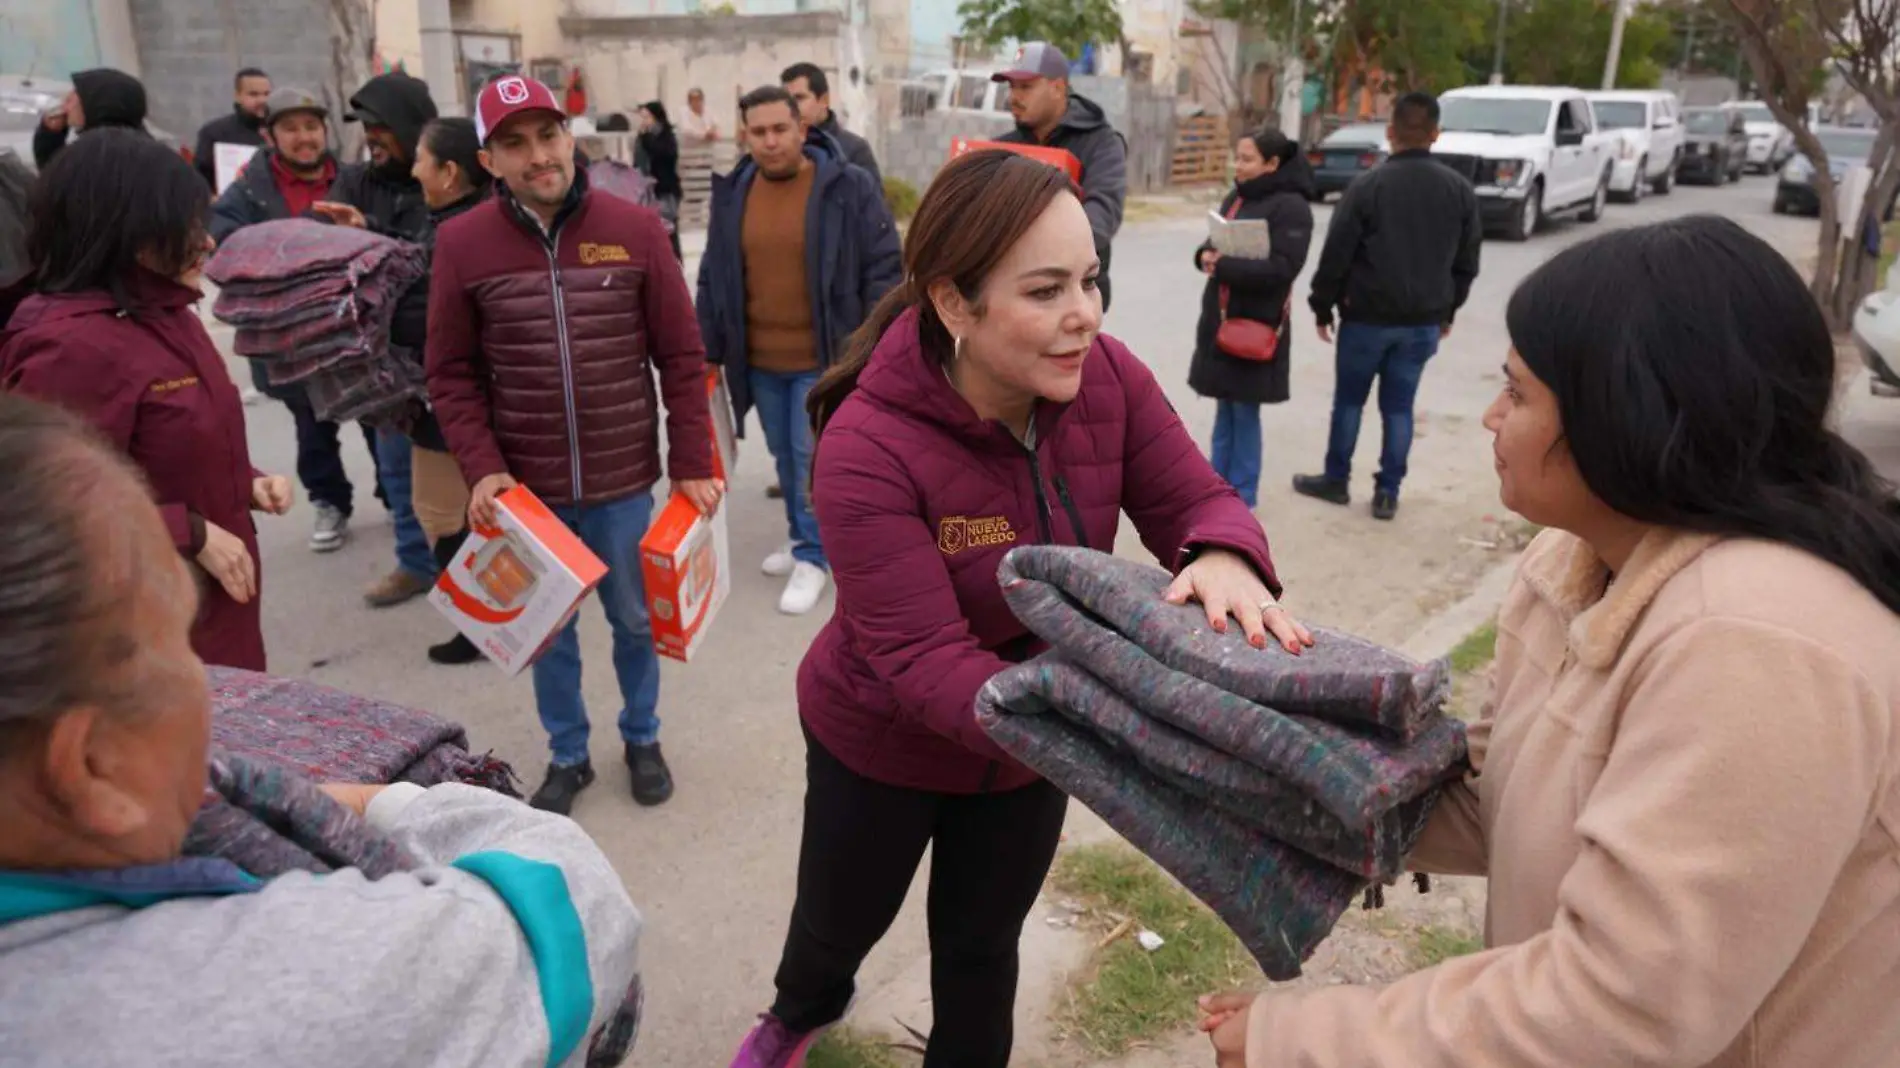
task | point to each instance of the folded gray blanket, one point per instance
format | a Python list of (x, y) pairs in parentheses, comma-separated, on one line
[(1275, 787)]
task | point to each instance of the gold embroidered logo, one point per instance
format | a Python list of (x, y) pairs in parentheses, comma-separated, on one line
[(172, 385), (957, 533), (592, 254)]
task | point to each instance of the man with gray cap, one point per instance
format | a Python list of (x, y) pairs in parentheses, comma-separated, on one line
[(1048, 113), (293, 172)]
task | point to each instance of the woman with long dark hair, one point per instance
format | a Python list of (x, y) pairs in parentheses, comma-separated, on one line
[(661, 148), (118, 243), (1272, 183), (978, 408), (1690, 767)]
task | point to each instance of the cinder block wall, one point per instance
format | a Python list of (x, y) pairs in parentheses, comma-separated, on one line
[(189, 50), (916, 147)]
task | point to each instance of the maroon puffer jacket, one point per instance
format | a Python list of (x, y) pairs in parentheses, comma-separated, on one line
[(918, 499), (542, 350)]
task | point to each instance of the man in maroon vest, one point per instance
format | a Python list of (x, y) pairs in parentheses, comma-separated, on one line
[(550, 310)]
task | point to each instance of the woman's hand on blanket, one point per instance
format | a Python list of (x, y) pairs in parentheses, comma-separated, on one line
[(1226, 585), (340, 214), (1224, 1021), (353, 796)]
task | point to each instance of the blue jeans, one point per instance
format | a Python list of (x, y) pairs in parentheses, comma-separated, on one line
[(1237, 448), (392, 469), (613, 531), (780, 399), (1396, 356)]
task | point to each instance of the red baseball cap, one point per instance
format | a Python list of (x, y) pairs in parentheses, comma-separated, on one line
[(506, 97)]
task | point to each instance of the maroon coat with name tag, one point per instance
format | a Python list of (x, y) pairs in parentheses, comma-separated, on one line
[(154, 384), (918, 500)]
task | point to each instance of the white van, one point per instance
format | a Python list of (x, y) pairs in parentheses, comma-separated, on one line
[(1648, 125)]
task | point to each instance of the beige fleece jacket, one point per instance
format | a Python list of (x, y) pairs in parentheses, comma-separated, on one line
[(1687, 806)]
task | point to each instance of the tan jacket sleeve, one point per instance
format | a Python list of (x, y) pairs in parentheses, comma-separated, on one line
[(1739, 782)]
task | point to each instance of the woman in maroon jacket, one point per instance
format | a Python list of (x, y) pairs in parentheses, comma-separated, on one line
[(978, 409), (118, 244)]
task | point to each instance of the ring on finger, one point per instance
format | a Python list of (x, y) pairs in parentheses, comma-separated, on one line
[(1268, 605)]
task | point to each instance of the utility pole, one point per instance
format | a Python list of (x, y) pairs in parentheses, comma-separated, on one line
[(1497, 58), (1611, 61)]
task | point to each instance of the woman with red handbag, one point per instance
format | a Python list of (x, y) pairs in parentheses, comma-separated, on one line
[(1242, 347)]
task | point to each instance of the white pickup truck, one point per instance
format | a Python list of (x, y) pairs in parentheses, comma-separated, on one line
[(1531, 152)]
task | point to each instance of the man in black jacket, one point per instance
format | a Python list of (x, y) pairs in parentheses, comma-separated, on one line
[(100, 98), (1400, 257), (243, 126), (281, 182), (1047, 113), (812, 90), (382, 195)]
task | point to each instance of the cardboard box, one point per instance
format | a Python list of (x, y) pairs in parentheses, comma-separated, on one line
[(686, 558), (1060, 158), (513, 587)]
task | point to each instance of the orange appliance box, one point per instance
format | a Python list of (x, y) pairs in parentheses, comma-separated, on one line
[(686, 562), (513, 586), (1060, 158), (725, 438)]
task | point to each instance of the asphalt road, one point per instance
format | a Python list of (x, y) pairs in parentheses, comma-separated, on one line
[(713, 870)]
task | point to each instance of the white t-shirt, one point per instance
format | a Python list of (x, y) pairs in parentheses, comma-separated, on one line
[(697, 127)]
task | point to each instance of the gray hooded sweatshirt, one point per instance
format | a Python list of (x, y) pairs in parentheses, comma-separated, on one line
[(510, 948)]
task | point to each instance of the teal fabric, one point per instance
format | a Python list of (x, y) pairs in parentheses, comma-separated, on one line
[(26, 895), (537, 894)]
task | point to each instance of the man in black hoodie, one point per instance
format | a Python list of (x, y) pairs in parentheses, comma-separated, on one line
[(393, 109), (101, 97), (1047, 113), (382, 195), (250, 103)]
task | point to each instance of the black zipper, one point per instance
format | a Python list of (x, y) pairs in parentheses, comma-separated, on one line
[(1043, 514), (1046, 524), (1074, 513)]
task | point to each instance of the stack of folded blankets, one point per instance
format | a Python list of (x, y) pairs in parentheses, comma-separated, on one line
[(1275, 787), (313, 303), (273, 739)]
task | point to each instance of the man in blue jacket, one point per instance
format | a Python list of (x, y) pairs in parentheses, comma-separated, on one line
[(800, 248)]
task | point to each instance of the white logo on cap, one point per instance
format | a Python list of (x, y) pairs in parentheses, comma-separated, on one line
[(512, 91)]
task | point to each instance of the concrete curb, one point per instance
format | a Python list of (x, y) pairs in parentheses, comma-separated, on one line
[(1448, 628)]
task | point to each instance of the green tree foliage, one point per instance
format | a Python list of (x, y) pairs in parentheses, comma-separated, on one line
[(1067, 24), (1564, 42)]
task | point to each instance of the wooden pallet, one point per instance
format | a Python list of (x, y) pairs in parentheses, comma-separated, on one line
[(1200, 151)]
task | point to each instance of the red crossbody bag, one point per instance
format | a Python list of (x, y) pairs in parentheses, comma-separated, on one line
[(1248, 339)]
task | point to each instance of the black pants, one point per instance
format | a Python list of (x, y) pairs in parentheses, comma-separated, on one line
[(320, 457), (862, 843)]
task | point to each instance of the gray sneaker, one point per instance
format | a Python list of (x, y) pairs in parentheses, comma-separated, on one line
[(332, 529)]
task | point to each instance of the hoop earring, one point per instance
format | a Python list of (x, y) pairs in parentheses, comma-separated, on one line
[(956, 348)]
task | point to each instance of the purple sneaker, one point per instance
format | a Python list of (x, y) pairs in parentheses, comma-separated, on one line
[(773, 1045)]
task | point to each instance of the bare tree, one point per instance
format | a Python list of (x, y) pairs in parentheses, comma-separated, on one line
[(352, 48), (1791, 45)]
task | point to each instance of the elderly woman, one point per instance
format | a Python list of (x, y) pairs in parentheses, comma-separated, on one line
[(512, 945), (1690, 781)]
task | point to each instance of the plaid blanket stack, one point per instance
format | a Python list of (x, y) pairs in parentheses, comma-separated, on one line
[(1276, 788), (313, 302)]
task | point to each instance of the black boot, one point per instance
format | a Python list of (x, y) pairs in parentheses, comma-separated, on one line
[(652, 779), (562, 786), (1321, 488), (457, 650)]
